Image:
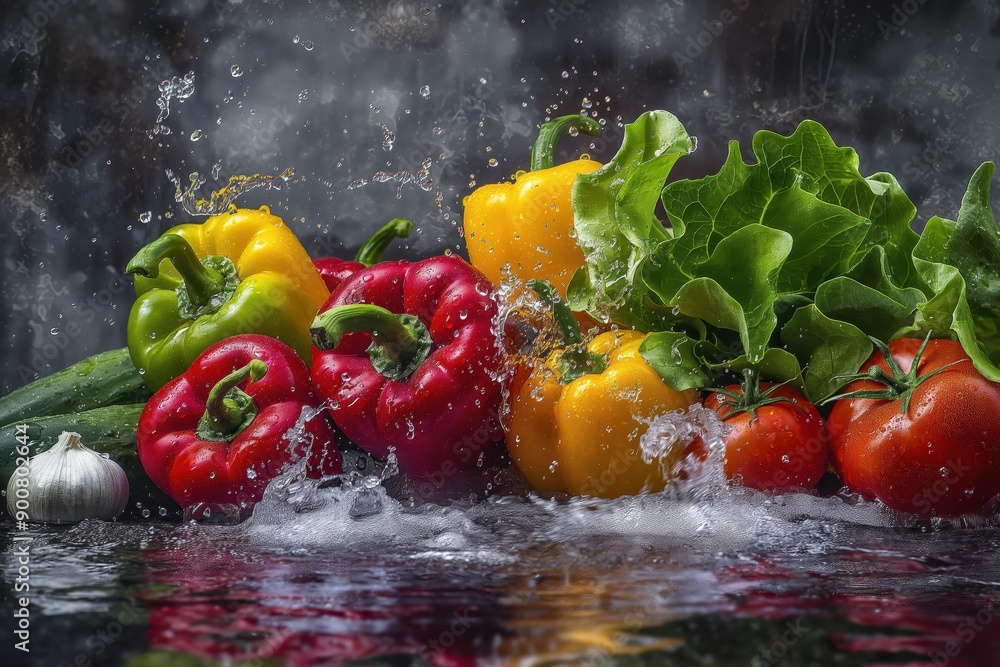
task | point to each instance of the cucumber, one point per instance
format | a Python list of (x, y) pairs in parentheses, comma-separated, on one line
[(109, 430), (108, 378)]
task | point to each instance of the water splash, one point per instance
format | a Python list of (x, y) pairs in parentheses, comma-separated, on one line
[(699, 435), (388, 137), (220, 200), (178, 88), (422, 179)]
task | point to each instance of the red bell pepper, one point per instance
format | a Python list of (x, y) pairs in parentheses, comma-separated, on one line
[(408, 360), (217, 433), (335, 271)]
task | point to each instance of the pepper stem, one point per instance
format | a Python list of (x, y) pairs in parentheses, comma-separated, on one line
[(576, 360), (201, 282), (543, 151), (229, 410), (400, 343), (568, 326), (370, 252)]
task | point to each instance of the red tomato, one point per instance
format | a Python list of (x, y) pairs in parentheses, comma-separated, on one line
[(784, 448), (939, 458)]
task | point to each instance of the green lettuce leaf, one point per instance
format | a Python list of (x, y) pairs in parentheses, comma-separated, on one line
[(831, 348), (840, 246), (735, 288), (786, 265), (960, 262), (686, 363), (615, 220), (672, 354)]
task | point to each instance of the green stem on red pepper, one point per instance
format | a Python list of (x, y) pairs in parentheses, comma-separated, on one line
[(370, 252), (400, 343), (228, 409), (576, 360), (543, 150)]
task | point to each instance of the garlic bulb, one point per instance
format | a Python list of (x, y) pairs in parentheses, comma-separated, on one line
[(68, 483)]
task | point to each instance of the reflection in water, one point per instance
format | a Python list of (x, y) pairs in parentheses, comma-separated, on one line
[(311, 611), (566, 583)]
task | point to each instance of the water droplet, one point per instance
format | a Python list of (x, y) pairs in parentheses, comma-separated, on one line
[(565, 74), (196, 135), (425, 92), (308, 45), (251, 473), (211, 475), (236, 71), (144, 218)]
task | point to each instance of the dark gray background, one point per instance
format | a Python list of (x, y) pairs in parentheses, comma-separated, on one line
[(333, 89)]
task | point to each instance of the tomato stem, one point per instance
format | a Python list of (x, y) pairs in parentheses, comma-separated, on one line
[(898, 385), (750, 398)]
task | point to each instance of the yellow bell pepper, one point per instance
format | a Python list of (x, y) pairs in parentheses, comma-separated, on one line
[(528, 224), (242, 271), (576, 420)]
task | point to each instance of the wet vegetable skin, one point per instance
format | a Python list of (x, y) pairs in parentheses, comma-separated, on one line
[(940, 456)]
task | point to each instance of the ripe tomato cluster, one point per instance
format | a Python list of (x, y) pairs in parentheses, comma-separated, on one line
[(917, 429)]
